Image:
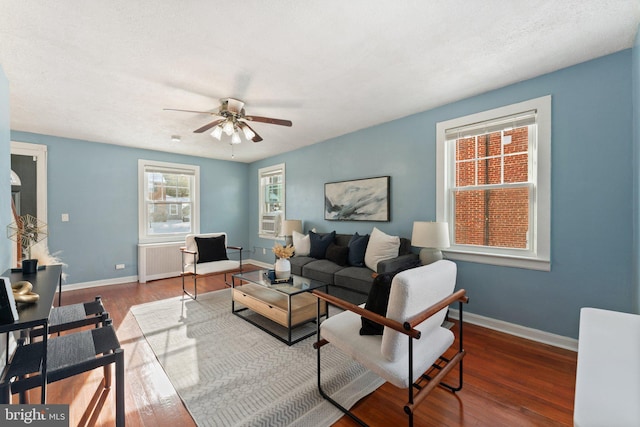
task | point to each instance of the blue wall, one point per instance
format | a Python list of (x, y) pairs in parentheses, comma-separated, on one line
[(592, 215), (5, 168), (97, 185)]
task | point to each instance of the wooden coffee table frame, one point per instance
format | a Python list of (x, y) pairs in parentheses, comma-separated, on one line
[(288, 304)]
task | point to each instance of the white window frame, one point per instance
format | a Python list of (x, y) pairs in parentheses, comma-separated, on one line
[(538, 255), (178, 168), (262, 173)]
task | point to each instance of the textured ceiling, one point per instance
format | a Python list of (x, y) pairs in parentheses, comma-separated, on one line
[(104, 71)]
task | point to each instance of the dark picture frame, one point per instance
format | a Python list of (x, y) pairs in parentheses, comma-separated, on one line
[(364, 199)]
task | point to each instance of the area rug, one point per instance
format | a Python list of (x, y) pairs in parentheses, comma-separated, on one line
[(230, 373)]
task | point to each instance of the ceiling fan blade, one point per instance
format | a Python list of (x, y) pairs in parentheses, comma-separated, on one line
[(269, 120), (191, 111), (208, 126)]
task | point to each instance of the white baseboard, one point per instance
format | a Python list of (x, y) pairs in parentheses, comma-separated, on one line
[(518, 330), (104, 282), (258, 263)]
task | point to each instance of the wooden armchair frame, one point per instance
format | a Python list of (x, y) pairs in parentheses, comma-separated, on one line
[(433, 377)]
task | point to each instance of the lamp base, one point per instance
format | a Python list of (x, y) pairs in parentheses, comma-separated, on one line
[(430, 255)]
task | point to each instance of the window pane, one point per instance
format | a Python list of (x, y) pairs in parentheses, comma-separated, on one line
[(465, 173), (497, 218), (168, 218), (519, 141), (516, 168), (489, 145), (173, 217), (466, 148)]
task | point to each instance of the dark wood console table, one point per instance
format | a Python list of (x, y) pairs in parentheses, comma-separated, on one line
[(45, 283)]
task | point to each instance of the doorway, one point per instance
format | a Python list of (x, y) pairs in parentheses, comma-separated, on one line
[(29, 195)]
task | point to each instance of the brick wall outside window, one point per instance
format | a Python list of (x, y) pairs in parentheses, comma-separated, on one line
[(497, 217)]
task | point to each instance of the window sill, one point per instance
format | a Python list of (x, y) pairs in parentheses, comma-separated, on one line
[(528, 263), (270, 236)]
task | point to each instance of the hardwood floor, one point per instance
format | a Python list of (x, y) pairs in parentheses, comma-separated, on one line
[(508, 381)]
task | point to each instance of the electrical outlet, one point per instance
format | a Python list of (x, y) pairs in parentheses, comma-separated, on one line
[(119, 266), (264, 251)]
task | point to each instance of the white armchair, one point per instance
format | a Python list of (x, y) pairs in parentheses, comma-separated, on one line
[(410, 352), (206, 254)]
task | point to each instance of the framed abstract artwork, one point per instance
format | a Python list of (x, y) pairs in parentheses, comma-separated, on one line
[(357, 200)]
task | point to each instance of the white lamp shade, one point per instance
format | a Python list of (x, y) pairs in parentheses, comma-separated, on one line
[(217, 133), (228, 127), (430, 234), (291, 225)]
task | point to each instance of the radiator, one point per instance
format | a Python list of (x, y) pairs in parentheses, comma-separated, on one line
[(159, 261)]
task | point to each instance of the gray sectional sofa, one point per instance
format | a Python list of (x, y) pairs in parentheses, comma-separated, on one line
[(349, 283)]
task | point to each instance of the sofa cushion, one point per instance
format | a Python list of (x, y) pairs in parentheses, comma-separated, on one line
[(381, 246), (322, 270), (337, 254), (211, 249), (302, 243), (320, 243), (357, 249), (358, 279), (297, 262)]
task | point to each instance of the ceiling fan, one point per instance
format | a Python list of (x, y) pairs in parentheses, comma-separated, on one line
[(232, 119)]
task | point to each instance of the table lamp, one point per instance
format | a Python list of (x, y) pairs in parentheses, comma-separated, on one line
[(288, 227), (431, 237)]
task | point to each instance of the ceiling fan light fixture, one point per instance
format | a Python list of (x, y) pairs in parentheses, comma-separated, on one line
[(235, 139), (248, 133), (217, 132), (228, 127)]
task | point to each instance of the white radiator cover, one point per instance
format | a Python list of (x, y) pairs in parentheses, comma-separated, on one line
[(159, 261)]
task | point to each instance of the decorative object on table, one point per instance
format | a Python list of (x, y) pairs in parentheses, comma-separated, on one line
[(22, 292), (357, 200), (27, 230), (288, 227), (271, 277), (282, 265), (8, 312), (431, 237)]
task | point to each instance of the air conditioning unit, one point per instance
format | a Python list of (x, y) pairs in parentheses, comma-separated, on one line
[(270, 223)]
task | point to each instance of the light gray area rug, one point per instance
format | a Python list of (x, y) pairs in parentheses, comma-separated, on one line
[(230, 373)]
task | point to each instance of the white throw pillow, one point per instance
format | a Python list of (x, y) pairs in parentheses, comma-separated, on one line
[(302, 243), (381, 246)]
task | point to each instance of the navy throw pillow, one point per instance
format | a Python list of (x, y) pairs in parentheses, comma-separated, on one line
[(337, 254), (211, 249), (320, 243), (357, 249)]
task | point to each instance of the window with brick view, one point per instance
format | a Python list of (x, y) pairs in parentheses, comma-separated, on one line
[(491, 194), (493, 185)]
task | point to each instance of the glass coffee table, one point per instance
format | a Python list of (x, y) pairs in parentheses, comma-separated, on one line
[(284, 310)]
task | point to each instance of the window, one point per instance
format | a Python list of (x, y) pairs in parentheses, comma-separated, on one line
[(168, 201), (272, 204), (493, 184)]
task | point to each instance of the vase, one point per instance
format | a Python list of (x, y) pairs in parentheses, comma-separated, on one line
[(29, 266), (283, 269)]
